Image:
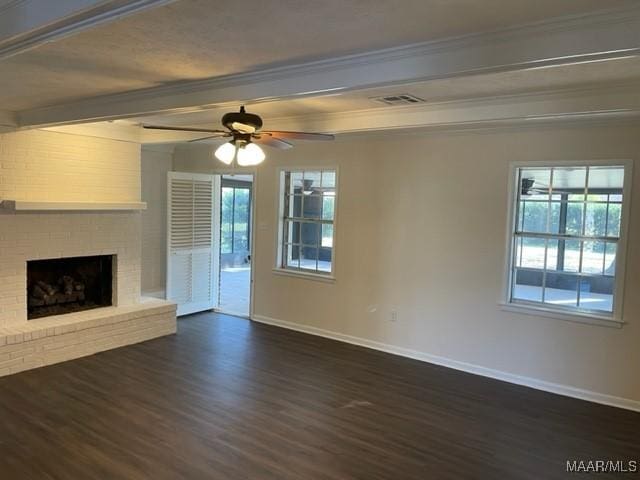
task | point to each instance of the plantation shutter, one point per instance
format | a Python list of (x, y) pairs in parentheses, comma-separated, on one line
[(192, 240)]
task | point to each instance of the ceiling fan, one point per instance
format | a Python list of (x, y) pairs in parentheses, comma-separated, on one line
[(244, 130), (528, 187)]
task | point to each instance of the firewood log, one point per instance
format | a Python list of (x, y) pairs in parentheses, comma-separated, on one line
[(49, 289), (67, 284), (38, 292)]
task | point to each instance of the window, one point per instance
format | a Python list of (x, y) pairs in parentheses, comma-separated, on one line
[(566, 236), (307, 212)]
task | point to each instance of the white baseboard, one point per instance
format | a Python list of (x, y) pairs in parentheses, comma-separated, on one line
[(565, 390)]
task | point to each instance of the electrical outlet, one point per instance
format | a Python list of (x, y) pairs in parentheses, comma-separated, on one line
[(393, 316)]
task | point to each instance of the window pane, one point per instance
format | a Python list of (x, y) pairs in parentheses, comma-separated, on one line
[(292, 232), (308, 257), (595, 222), (570, 180), (552, 253), (294, 206), (531, 253), (226, 221), (593, 257), (310, 233), (535, 183), (563, 255), (561, 289), (292, 253), (296, 183), (324, 259), (574, 218), (527, 286), (328, 203), (312, 205), (554, 217), (241, 220), (311, 182), (596, 293), (610, 259), (571, 256), (534, 216), (329, 179), (613, 221), (605, 178), (327, 235)]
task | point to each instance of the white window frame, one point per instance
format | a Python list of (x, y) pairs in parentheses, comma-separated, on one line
[(304, 273), (615, 319)]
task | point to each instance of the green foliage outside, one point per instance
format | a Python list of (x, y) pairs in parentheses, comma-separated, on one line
[(533, 218)]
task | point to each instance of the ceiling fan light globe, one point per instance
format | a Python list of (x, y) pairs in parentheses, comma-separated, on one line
[(225, 153), (249, 155)]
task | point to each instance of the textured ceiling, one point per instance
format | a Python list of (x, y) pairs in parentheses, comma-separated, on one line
[(561, 77), (193, 39)]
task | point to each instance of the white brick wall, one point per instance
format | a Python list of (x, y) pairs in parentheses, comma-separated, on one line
[(45, 165)]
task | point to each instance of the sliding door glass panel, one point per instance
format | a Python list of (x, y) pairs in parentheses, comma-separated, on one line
[(241, 220), (226, 221)]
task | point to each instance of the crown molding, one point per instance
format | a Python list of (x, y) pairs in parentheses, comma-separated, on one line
[(26, 24), (110, 130), (575, 39)]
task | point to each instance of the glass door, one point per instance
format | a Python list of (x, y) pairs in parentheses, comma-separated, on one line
[(235, 244)]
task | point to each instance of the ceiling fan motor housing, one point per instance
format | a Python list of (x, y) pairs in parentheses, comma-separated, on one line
[(229, 119)]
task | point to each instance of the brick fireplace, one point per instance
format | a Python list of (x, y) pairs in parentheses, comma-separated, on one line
[(53, 257)]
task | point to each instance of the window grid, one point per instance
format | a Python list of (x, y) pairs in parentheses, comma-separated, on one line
[(608, 242), (297, 198)]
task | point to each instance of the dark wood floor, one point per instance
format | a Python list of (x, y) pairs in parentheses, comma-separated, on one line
[(230, 399)]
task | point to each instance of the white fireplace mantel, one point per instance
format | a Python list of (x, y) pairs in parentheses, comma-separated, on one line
[(50, 206)]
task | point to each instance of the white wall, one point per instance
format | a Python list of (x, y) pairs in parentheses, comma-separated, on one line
[(156, 163), (421, 228)]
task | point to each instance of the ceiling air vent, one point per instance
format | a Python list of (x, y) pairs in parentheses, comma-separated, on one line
[(401, 99)]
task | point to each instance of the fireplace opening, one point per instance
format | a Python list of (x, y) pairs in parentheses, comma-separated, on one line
[(66, 285)]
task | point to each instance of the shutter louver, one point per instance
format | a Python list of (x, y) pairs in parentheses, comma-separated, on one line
[(191, 242)]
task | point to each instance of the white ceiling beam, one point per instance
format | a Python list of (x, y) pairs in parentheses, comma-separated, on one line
[(26, 24), (587, 104), (578, 39)]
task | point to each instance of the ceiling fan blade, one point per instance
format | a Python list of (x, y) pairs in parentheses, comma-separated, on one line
[(298, 135), (182, 129), (272, 142), (218, 135), (243, 127)]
